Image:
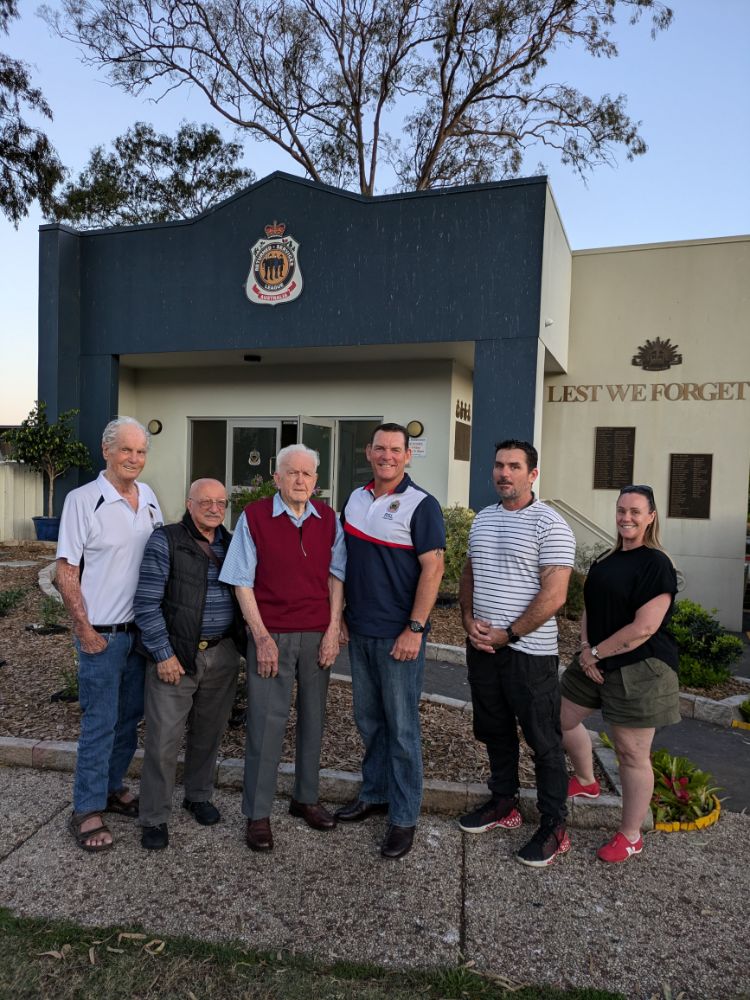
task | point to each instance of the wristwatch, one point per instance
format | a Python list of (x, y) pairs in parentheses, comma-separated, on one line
[(512, 637), (416, 626), (595, 652)]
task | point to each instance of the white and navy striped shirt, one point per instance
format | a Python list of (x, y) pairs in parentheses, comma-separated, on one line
[(508, 548)]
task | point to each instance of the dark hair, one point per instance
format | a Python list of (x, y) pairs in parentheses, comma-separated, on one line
[(532, 455), (391, 429)]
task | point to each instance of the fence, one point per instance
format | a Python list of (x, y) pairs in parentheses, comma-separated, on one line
[(20, 500)]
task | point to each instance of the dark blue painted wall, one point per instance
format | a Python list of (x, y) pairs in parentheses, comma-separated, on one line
[(460, 264)]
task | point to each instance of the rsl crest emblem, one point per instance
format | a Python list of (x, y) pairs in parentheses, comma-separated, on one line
[(275, 274)]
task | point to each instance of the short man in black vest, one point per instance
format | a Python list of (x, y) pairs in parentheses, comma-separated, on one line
[(192, 630), (287, 562)]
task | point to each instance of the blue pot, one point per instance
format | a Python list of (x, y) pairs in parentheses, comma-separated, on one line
[(47, 528)]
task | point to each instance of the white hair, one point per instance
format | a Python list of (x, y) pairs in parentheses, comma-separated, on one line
[(110, 432), (292, 449)]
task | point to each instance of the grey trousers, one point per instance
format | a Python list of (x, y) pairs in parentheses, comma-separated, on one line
[(269, 700), (203, 700)]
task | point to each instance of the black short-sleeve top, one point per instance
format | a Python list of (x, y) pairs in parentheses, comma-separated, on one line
[(616, 587)]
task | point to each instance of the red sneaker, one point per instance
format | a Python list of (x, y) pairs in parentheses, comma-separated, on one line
[(619, 848), (575, 788)]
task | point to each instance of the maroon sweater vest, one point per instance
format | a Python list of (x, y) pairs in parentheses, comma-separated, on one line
[(291, 578)]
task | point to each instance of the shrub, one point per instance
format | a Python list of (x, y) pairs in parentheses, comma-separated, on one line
[(744, 708), (573, 607), (706, 650), (458, 521), (258, 488), (9, 599)]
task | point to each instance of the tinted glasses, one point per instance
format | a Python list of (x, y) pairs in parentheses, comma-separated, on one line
[(645, 491)]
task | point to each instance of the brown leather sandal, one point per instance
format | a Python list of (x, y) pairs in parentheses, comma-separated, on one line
[(75, 823), (116, 805)]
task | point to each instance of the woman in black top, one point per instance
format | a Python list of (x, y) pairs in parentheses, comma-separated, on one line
[(627, 665)]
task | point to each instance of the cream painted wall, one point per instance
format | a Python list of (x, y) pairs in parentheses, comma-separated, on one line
[(555, 298), (697, 295), (400, 392), (462, 389)]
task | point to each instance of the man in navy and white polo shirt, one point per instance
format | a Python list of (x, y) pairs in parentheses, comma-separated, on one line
[(395, 542), (516, 578), (103, 531)]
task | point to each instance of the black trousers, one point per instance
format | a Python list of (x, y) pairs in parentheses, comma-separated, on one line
[(509, 685)]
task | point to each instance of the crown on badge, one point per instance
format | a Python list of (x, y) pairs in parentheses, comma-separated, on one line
[(275, 229)]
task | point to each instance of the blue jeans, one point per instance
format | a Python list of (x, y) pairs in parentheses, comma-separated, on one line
[(110, 687), (386, 709)]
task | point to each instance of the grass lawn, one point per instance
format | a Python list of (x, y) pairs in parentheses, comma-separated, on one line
[(61, 961)]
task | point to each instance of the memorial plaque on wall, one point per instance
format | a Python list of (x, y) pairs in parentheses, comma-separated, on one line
[(613, 457), (690, 486), (462, 442)]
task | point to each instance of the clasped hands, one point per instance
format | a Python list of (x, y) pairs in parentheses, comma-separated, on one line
[(484, 636)]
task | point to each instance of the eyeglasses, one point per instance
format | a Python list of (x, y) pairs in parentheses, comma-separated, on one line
[(208, 504), (645, 491)]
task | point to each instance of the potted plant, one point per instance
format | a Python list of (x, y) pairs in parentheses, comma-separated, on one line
[(50, 449)]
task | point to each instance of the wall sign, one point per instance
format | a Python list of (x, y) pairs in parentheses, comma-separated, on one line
[(642, 392), (613, 457), (275, 274), (690, 486)]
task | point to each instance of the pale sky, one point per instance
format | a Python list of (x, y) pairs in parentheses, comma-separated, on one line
[(690, 88)]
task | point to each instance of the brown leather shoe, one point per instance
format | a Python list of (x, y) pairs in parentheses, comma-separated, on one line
[(315, 815), (358, 810), (258, 836), (398, 841)]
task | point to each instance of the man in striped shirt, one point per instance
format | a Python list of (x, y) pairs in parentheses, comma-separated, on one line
[(193, 633), (516, 578)]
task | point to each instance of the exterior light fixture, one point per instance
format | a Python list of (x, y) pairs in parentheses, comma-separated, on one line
[(415, 428), (155, 426)]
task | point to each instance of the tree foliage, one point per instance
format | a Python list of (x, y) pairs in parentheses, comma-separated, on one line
[(48, 448), (29, 166), (153, 178), (445, 91)]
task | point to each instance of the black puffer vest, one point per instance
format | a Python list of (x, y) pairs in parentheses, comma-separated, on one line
[(185, 592)]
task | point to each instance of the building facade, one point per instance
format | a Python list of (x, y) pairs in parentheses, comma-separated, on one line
[(295, 311)]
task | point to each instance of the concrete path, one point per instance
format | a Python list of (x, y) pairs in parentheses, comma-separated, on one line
[(673, 917)]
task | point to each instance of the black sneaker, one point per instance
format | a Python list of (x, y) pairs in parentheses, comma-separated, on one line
[(549, 840), (496, 812), (155, 838)]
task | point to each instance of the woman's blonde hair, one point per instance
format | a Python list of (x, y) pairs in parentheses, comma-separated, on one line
[(651, 537)]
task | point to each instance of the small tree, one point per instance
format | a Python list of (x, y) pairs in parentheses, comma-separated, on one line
[(48, 448)]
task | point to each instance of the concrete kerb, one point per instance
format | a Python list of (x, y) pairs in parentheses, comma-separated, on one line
[(442, 797)]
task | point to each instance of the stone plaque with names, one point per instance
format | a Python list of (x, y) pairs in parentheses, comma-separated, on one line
[(613, 459), (690, 486)]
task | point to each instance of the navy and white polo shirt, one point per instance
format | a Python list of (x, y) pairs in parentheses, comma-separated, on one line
[(384, 537)]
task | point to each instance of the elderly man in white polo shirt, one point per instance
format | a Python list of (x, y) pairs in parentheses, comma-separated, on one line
[(103, 531)]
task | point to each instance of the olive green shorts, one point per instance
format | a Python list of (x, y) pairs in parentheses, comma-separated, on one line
[(642, 695)]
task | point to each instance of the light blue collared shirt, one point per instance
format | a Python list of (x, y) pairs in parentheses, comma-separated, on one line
[(242, 557)]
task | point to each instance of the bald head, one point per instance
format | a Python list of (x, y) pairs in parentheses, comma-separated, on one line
[(206, 504)]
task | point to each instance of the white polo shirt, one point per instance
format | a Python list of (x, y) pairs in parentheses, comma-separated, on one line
[(101, 526)]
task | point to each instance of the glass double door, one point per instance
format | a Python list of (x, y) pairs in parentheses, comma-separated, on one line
[(252, 447)]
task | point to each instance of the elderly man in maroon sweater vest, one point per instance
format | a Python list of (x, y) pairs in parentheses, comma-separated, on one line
[(286, 561)]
